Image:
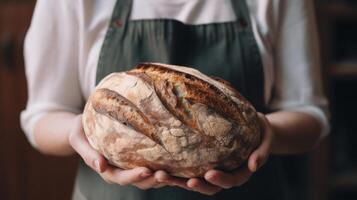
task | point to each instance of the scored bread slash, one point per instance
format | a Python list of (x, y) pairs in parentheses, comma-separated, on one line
[(193, 89), (112, 104)]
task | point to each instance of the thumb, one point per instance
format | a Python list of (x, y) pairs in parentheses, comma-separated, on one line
[(256, 160), (80, 144), (261, 154)]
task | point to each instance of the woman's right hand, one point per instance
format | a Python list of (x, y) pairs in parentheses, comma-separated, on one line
[(140, 177)]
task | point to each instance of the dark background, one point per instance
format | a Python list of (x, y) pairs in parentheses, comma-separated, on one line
[(328, 173), (24, 173)]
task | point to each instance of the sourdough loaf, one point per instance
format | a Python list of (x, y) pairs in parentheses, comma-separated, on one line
[(172, 118)]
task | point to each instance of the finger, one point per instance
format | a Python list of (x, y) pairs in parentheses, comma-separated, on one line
[(163, 177), (260, 155), (202, 186), (149, 182), (126, 177), (257, 160), (105, 179), (228, 180), (81, 145)]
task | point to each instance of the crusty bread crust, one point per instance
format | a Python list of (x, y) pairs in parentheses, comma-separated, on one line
[(172, 118)]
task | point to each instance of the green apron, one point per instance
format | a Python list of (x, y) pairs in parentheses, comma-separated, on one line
[(226, 50)]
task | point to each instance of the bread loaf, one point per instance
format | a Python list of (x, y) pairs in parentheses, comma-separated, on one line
[(172, 118)]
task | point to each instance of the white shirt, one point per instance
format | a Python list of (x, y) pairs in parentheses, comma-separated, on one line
[(63, 43)]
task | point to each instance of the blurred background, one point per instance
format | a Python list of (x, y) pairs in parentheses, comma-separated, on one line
[(328, 173)]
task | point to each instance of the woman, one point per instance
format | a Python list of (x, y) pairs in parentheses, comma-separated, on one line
[(266, 48)]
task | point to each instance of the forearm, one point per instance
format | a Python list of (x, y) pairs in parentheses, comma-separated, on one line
[(52, 133), (294, 132)]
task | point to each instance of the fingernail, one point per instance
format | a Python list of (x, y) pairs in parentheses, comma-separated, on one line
[(97, 165), (210, 176), (191, 185)]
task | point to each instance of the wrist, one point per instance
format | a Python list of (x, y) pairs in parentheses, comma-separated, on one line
[(52, 132), (273, 126), (73, 129), (294, 132)]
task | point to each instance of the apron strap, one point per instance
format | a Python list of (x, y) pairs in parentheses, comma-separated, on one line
[(255, 64), (242, 13), (121, 14), (117, 27)]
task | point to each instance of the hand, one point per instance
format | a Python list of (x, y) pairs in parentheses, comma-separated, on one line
[(216, 180), (140, 177)]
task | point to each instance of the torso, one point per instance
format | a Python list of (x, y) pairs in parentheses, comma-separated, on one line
[(94, 27), (227, 50)]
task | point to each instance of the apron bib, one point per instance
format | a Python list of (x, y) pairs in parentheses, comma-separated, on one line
[(226, 50)]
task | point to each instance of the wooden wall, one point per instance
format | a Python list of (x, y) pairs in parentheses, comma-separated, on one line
[(25, 174)]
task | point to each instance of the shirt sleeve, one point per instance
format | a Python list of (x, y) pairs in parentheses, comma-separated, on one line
[(51, 63), (297, 83)]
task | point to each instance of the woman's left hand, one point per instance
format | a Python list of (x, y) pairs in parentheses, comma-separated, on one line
[(216, 180)]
